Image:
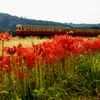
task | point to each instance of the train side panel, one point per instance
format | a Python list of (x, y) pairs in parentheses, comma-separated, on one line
[(24, 30), (38, 30)]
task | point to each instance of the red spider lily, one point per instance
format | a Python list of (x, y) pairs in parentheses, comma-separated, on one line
[(96, 45), (9, 50), (1, 81), (47, 52), (20, 75), (20, 50), (24, 54), (4, 36), (87, 44), (36, 49), (1, 58), (18, 61), (30, 59), (13, 50), (0, 65), (5, 64)]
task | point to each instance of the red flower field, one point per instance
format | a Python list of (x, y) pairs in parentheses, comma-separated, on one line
[(41, 64)]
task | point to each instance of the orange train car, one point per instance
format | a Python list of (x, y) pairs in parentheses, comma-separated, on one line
[(25, 30)]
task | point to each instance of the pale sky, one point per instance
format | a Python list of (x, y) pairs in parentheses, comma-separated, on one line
[(75, 11)]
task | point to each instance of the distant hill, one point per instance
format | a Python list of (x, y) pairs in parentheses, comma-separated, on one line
[(84, 25), (9, 22)]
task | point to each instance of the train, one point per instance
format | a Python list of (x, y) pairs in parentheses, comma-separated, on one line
[(35, 30)]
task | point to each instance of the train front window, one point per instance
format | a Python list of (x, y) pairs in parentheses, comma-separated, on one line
[(22, 28), (18, 28)]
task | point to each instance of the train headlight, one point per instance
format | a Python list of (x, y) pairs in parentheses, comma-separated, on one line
[(71, 32)]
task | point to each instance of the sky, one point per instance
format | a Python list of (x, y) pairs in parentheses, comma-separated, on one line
[(70, 11)]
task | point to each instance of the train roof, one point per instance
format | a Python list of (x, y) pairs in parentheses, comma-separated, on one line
[(41, 26)]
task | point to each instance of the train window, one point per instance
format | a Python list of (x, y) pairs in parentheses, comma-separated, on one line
[(62, 30), (26, 29), (22, 28), (43, 29), (29, 29), (19, 28), (52, 30), (46, 29), (96, 31), (74, 30), (49, 29), (35, 29), (59, 30), (39, 29)]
